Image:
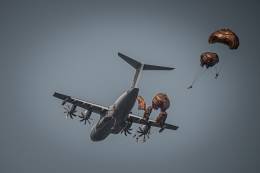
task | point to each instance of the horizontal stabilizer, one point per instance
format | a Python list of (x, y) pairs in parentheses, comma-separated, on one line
[(137, 64), (130, 61), (155, 67), (139, 67)]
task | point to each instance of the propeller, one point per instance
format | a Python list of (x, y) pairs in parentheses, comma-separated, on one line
[(144, 132), (127, 129), (70, 111), (85, 117)]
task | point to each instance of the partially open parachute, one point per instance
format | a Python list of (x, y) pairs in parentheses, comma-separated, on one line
[(161, 101), (208, 59), (225, 36), (141, 103)]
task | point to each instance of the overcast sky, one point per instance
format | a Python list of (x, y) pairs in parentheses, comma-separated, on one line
[(71, 47)]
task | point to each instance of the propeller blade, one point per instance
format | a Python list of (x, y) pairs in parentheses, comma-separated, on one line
[(128, 132), (140, 135)]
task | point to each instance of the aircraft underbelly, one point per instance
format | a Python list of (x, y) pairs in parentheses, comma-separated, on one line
[(119, 124), (115, 122), (102, 130), (124, 105)]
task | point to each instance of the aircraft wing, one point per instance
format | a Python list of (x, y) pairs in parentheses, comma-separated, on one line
[(139, 120), (81, 103)]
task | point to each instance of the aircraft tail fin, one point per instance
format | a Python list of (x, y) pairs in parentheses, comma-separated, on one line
[(139, 67)]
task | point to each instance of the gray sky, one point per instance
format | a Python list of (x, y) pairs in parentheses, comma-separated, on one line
[(71, 47)]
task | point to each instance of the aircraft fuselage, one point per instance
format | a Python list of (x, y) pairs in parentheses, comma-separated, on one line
[(114, 119)]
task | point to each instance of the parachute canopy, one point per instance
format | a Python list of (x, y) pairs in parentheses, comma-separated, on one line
[(141, 103), (161, 101), (161, 118), (225, 36), (208, 59)]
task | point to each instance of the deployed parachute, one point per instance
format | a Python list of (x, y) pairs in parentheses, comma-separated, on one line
[(144, 130), (142, 106), (208, 59), (161, 101), (161, 118), (147, 113), (141, 103), (225, 36)]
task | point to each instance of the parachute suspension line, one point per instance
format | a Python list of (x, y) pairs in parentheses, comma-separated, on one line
[(220, 68), (214, 70), (197, 76), (217, 70)]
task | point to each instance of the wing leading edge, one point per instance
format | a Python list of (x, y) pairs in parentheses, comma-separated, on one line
[(81, 103)]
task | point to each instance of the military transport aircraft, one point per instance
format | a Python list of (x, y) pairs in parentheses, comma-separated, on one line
[(117, 117)]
